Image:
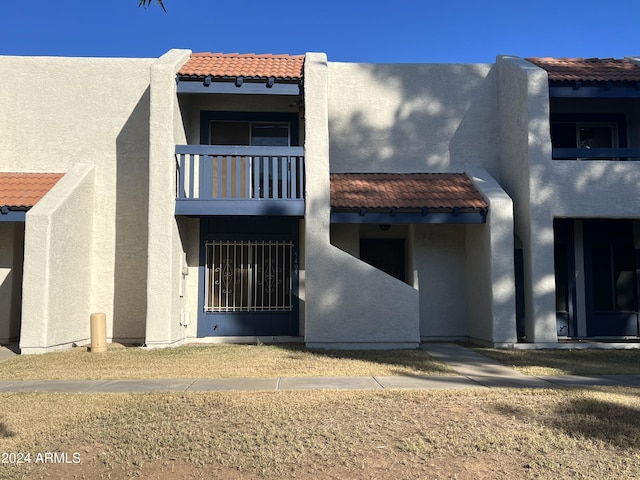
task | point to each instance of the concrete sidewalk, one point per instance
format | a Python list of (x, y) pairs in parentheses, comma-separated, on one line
[(473, 371), (6, 353), (480, 369), (487, 372), (233, 384)]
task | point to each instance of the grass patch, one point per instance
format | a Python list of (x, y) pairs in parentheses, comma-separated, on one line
[(218, 361), (468, 434), (568, 362)]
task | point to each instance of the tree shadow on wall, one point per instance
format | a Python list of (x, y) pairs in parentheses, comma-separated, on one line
[(132, 207), (427, 118)]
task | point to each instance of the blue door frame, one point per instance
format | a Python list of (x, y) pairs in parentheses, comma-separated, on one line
[(280, 323), (617, 285), (611, 277), (564, 262)]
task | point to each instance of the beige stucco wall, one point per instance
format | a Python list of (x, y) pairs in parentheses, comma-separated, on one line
[(412, 117), (435, 265), (525, 143), (190, 235), (58, 264), (433, 118), (464, 273), (166, 252), (440, 261), (58, 112), (594, 188), (348, 302), (11, 252), (490, 278)]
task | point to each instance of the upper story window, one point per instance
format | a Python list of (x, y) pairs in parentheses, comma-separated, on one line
[(591, 100), (253, 129), (247, 133), (587, 137), (584, 135)]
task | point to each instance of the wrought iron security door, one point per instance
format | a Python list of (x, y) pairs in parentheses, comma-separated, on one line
[(249, 276)]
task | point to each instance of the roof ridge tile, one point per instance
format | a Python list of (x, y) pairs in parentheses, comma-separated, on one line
[(589, 69), (251, 65)]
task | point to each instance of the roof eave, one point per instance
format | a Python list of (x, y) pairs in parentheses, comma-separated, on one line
[(593, 89), (239, 85), (12, 213), (396, 216)]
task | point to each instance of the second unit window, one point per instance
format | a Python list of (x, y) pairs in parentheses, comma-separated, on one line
[(246, 133)]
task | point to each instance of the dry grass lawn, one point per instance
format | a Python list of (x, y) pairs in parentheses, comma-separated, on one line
[(439, 434), (218, 361), (390, 434), (569, 362)]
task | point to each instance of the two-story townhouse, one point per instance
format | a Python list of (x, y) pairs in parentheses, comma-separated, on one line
[(574, 181), (228, 197), (239, 201), (297, 218)]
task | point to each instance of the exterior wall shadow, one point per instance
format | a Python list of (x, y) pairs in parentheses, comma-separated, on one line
[(132, 206)]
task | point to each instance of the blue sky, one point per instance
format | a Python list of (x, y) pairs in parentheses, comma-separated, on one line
[(347, 30)]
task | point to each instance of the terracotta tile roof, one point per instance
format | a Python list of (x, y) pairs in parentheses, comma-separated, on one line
[(232, 65), (404, 190), (23, 190), (589, 69)]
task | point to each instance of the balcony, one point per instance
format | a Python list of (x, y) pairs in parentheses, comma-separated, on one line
[(596, 154), (238, 180)]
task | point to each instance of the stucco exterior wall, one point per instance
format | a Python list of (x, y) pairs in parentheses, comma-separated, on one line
[(356, 305), (525, 149), (364, 306), (491, 306), (57, 112), (589, 189), (440, 260), (11, 253), (165, 244), (190, 234), (58, 264), (594, 188), (435, 264), (412, 117)]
